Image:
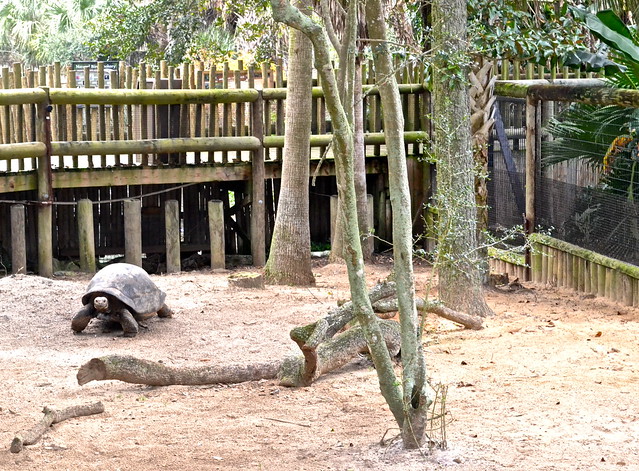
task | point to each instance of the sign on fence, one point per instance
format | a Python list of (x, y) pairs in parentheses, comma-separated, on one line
[(79, 66)]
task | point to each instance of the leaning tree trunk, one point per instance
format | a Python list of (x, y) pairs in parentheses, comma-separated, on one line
[(289, 259), (350, 91), (482, 99), (414, 366), (459, 263)]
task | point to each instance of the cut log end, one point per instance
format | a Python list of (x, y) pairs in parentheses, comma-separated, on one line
[(94, 370), (17, 444)]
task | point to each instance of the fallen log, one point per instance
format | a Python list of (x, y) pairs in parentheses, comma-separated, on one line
[(290, 371), (135, 370), (52, 416), (470, 322)]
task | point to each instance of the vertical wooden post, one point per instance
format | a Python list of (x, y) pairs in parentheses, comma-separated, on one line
[(216, 233), (266, 83), (382, 223), (6, 110), (227, 124), (87, 111), (536, 263), (72, 113), (115, 113), (59, 122), (86, 236), (18, 241), (531, 167), (369, 242), (333, 208), (133, 232), (45, 192), (144, 132), (258, 218), (172, 222)]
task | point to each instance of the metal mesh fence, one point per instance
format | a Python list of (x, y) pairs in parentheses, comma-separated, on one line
[(575, 201)]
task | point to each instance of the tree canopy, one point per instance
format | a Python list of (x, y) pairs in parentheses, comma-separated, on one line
[(39, 32)]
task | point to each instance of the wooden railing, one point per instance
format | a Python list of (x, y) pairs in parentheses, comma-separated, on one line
[(108, 146)]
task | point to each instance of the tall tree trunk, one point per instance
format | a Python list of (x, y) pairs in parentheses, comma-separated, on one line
[(459, 264), (350, 82), (414, 372), (289, 260)]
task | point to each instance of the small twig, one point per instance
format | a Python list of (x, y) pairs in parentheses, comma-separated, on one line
[(316, 298), (52, 416), (287, 422)]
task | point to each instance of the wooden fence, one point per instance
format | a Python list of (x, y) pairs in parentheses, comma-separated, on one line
[(554, 261), (61, 145), (557, 263), (153, 129)]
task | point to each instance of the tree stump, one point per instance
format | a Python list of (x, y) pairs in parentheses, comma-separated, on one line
[(247, 280)]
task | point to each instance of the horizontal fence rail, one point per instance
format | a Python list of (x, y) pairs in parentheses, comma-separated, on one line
[(133, 128)]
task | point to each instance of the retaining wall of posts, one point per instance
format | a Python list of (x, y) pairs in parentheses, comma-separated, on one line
[(565, 265), (558, 263)]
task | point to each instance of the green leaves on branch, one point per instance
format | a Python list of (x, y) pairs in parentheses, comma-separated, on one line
[(500, 29)]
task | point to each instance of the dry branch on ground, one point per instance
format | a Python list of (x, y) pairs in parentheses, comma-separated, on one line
[(52, 416)]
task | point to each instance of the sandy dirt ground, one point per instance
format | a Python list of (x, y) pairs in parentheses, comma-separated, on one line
[(550, 383)]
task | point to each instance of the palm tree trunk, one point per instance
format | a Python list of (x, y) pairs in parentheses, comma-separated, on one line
[(289, 259)]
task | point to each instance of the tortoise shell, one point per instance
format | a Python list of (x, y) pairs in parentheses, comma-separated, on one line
[(129, 284)]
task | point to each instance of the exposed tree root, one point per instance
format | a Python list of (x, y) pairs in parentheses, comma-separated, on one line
[(52, 416)]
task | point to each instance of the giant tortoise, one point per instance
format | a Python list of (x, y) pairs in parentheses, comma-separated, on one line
[(121, 293)]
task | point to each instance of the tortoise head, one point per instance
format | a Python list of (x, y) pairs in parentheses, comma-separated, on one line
[(101, 304)]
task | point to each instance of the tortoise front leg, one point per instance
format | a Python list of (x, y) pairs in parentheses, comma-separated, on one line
[(129, 324), (83, 317)]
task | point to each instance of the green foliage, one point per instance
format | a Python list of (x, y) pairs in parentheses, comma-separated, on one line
[(501, 29), (162, 29), (604, 137), (213, 44), (454, 67), (44, 31), (255, 30), (184, 30), (61, 46)]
